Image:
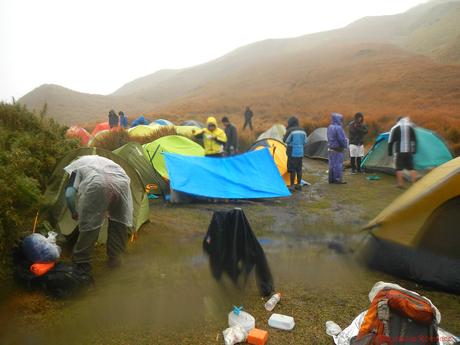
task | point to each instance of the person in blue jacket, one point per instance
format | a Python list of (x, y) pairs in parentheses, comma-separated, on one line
[(123, 120), (337, 144), (295, 139)]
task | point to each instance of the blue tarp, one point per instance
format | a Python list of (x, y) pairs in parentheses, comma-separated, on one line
[(248, 176)]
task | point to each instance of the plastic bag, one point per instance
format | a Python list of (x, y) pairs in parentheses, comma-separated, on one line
[(234, 335), (38, 248)]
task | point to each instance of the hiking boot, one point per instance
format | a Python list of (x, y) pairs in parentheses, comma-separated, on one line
[(353, 172), (298, 187)]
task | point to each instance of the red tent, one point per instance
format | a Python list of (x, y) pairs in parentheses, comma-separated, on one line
[(79, 133), (100, 127)]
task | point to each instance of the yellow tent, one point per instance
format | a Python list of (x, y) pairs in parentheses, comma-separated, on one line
[(142, 130), (418, 235), (186, 131), (404, 221)]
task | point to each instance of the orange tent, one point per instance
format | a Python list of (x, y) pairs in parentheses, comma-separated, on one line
[(79, 133), (100, 127)]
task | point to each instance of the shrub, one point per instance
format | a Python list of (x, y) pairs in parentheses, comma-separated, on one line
[(30, 146)]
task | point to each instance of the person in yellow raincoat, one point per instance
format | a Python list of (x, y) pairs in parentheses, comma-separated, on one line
[(214, 138)]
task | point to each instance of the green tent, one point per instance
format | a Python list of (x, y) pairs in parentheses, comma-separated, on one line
[(171, 143), (55, 205), (133, 153), (432, 151)]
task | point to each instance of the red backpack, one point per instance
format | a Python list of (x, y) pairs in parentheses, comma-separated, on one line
[(398, 317)]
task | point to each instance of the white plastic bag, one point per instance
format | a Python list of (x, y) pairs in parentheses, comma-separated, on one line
[(234, 335), (38, 248)]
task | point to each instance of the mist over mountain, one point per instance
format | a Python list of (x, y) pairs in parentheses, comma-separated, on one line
[(408, 62)]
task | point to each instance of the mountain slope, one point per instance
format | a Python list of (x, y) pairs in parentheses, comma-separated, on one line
[(380, 63)]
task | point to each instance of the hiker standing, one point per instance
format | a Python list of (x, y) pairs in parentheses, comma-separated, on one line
[(248, 114), (100, 186), (214, 138), (123, 120), (337, 144), (357, 131), (113, 119), (403, 143), (295, 139), (231, 146)]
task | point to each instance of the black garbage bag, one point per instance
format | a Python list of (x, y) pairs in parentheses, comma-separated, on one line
[(62, 281), (234, 249)]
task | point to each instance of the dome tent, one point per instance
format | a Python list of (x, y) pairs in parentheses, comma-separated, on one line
[(173, 144), (55, 204), (432, 151), (417, 235)]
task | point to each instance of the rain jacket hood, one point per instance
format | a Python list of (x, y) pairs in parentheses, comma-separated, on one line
[(213, 141), (336, 119)]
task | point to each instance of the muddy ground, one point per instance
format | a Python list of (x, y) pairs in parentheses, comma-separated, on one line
[(164, 293)]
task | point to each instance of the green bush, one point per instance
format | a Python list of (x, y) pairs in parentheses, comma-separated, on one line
[(30, 147)]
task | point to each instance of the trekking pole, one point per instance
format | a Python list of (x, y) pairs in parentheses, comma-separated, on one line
[(35, 223)]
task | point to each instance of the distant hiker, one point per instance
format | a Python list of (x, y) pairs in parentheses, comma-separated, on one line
[(357, 130), (248, 114), (403, 143), (214, 138), (295, 139), (231, 146), (113, 119), (98, 186), (123, 120), (337, 144)]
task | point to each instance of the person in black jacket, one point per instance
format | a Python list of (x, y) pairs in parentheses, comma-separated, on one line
[(231, 146), (357, 130), (234, 249), (248, 114), (403, 143)]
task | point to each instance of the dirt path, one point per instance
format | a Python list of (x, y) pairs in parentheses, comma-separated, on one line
[(164, 293)]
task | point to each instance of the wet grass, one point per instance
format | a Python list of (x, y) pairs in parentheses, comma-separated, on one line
[(164, 293)]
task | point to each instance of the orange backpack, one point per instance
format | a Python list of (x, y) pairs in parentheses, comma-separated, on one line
[(414, 314)]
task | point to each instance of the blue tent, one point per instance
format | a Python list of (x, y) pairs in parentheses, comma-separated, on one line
[(432, 151), (248, 176), (139, 121), (163, 122)]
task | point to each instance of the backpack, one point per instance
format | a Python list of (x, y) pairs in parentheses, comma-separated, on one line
[(398, 317), (62, 281)]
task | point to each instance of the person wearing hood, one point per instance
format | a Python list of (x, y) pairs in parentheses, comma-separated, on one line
[(402, 142), (295, 139), (337, 144), (98, 186), (357, 131), (214, 138)]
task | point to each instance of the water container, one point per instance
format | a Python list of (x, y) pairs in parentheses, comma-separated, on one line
[(281, 322), (271, 303), (237, 317)]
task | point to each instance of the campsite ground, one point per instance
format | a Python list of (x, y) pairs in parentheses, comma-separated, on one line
[(164, 293)]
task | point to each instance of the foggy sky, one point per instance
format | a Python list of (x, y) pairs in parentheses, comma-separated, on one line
[(97, 46)]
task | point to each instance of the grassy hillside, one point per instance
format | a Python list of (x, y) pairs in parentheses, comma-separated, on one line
[(385, 66)]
